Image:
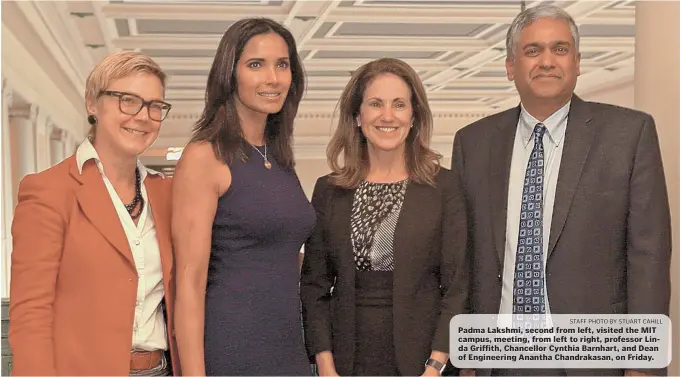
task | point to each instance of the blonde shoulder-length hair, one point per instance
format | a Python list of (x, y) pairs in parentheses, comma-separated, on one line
[(349, 142)]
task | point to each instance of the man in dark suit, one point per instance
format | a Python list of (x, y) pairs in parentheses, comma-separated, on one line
[(574, 187)]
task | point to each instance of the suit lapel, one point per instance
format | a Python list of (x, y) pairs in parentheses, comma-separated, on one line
[(161, 217), (98, 207), (342, 210), (502, 141), (577, 140)]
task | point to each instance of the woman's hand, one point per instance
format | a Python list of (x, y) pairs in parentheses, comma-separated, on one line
[(325, 364)]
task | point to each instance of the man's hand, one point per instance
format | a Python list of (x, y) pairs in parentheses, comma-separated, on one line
[(467, 372)]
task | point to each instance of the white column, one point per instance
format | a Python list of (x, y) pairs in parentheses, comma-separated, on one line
[(65, 144), (42, 135), (24, 147), (68, 144), (7, 197), (657, 92), (56, 145)]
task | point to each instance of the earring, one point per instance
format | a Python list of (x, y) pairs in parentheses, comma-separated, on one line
[(91, 119)]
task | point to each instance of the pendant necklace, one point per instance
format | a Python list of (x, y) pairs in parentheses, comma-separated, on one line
[(267, 164)]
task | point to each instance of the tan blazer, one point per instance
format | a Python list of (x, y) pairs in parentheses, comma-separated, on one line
[(74, 283)]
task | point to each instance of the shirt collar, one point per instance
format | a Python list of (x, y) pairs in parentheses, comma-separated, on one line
[(87, 152), (555, 124)]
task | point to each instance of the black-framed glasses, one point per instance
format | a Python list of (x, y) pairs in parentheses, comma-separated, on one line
[(132, 104)]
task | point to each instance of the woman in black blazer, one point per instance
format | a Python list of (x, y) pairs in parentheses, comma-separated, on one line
[(385, 269)]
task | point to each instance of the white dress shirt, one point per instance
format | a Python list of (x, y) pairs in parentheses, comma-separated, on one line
[(553, 144), (149, 331)]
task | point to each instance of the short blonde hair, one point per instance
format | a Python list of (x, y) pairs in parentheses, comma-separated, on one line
[(116, 66)]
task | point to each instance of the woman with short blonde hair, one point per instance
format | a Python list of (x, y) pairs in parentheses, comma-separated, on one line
[(91, 288), (114, 67)]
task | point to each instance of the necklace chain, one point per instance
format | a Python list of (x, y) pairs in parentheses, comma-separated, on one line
[(258, 151), (267, 164)]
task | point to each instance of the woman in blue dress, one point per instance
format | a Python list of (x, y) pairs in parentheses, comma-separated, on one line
[(240, 215)]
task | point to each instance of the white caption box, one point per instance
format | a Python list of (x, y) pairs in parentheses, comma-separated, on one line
[(618, 341)]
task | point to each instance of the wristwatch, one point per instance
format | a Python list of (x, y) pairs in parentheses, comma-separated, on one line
[(436, 365)]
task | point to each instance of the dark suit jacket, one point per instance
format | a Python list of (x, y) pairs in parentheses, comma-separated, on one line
[(430, 273), (610, 239)]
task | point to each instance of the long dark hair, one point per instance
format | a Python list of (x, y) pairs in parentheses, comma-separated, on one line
[(219, 124)]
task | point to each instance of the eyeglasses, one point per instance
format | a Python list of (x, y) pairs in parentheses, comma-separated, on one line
[(132, 104)]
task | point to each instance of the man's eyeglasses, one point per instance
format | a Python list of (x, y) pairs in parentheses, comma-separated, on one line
[(132, 104)]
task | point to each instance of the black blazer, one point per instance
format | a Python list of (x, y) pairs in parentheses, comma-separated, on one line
[(430, 274), (610, 245)]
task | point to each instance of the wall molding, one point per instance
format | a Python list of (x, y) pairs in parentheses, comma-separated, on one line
[(27, 80), (7, 94), (25, 111)]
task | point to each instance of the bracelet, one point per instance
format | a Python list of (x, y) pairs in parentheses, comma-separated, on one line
[(436, 365)]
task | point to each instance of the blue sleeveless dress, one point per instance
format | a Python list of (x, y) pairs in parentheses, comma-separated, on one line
[(252, 307)]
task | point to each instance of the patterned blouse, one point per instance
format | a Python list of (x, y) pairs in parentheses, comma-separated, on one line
[(375, 212)]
